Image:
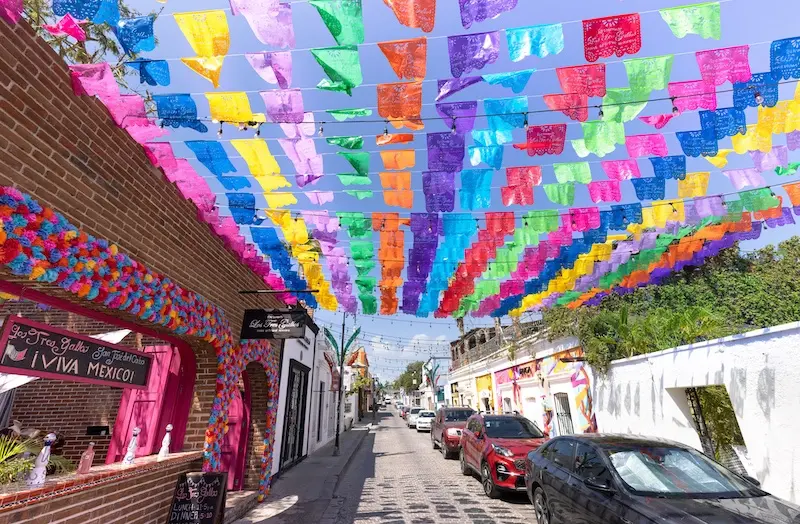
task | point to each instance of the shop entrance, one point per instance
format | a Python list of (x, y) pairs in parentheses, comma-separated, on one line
[(234, 445), (295, 418)]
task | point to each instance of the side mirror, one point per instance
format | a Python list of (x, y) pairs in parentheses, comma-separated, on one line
[(752, 480), (593, 483)]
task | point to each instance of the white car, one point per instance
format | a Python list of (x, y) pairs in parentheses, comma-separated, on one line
[(411, 418), (425, 420)]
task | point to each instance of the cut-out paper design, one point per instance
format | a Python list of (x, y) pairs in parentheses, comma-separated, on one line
[(622, 105), (729, 64), (621, 169), (302, 130), (696, 143), (646, 145), (151, 72), (342, 65), (515, 80), (11, 10), (538, 40), (724, 122), (545, 140), (209, 67), (589, 80), (408, 58), (696, 94), (505, 114), (741, 178), (579, 172), (206, 31), (270, 21), (778, 156), (648, 74), (273, 68), (445, 151), (601, 137), (746, 94), (439, 188), (354, 179), (784, 58), (490, 155), (458, 115), (257, 155), (343, 19), (520, 182), (476, 186), (624, 215), (487, 137), (612, 35), (414, 13), (232, 107), (303, 154), (398, 159), (359, 194), (279, 200), (574, 105), (340, 115), (447, 88), (479, 10), (67, 26), (699, 19), (605, 191), (401, 104), (359, 160), (652, 188), (472, 52), (178, 110), (136, 34), (793, 140), (562, 194), (397, 138), (211, 154), (284, 105), (346, 142), (319, 198), (397, 189), (719, 160), (95, 80), (693, 185), (670, 167)]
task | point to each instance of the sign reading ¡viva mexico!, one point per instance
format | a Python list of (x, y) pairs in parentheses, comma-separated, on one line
[(273, 323), (39, 350)]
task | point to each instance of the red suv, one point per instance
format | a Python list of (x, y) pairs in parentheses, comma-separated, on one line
[(446, 429), (495, 447)]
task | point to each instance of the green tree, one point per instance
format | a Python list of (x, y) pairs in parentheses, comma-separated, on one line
[(406, 379)]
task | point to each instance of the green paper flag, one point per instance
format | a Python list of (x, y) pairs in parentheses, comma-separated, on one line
[(340, 115), (369, 304), (353, 179), (357, 225), (542, 221), (579, 145), (362, 249), (563, 194), (366, 285), (621, 105), (573, 172), (789, 170), (698, 19), (735, 208), (359, 161), (361, 195), (602, 138), (343, 19), (758, 199), (342, 66), (347, 142), (648, 74)]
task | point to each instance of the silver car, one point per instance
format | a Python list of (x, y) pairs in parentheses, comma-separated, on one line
[(425, 420), (411, 418)]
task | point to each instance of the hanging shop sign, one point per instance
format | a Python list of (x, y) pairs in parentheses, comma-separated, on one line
[(273, 324), (199, 498), (39, 350)]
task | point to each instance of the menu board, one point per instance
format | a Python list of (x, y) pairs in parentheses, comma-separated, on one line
[(199, 499), (39, 350)]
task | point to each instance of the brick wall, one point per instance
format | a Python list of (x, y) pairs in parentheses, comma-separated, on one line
[(259, 391)]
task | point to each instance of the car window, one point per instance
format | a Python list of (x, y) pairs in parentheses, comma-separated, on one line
[(458, 415), (562, 453), (415, 411), (511, 427), (427, 414), (589, 465)]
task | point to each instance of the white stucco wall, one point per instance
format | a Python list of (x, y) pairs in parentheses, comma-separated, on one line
[(645, 395)]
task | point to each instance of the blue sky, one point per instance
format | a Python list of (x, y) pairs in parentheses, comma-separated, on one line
[(743, 22)]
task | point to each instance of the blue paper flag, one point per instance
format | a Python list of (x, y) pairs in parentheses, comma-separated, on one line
[(211, 154), (625, 215), (178, 110), (672, 167), (728, 121), (489, 155), (784, 58), (79, 9), (649, 188), (765, 85), (696, 143), (151, 72), (243, 207), (505, 114), (266, 238), (516, 80), (476, 188), (136, 34), (538, 40), (487, 137), (108, 13), (234, 183)]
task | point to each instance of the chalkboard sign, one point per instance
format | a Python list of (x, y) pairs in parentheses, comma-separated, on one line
[(273, 324), (199, 499), (39, 350)]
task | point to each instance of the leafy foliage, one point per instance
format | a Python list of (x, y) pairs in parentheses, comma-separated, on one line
[(360, 384), (406, 379), (720, 417), (17, 457)]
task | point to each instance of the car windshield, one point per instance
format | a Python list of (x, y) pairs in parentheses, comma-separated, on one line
[(414, 411), (511, 427), (457, 415), (427, 414), (675, 472)]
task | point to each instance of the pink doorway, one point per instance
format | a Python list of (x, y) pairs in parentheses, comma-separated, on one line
[(234, 444)]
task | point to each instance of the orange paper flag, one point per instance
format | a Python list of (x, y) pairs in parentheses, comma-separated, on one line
[(401, 104), (414, 13), (397, 189), (793, 190), (408, 58), (398, 159), (386, 139)]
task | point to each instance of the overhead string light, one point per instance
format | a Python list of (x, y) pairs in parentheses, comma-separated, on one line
[(675, 110), (453, 129), (321, 131), (525, 124), (386, 129), (219, 132)]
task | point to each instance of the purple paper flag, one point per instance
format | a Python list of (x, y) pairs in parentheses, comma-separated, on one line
[(460, 115), (710, 206), (793, 140), (274, 68), (472, 52), (777, 157), (785, 218), (319, 197), (284, 106), (445, 151), (270, 21), (741, 178), (448, 88), (304, 157), (440, 190), (480, 10)]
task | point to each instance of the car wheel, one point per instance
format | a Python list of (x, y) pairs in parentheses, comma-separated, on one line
[(540, 507), (464, 467), (488, 484)]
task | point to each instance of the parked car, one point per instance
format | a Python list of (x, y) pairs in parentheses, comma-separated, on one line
[(495, 447), (404, 411), (446, 429), (411, 417), (616, 479), (425, 420)]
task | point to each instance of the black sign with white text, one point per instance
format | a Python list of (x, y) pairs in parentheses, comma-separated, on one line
[(39, 350), (273, 324), (199, 498)]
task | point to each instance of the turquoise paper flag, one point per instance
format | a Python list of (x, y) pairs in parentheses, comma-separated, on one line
[(698, 19)]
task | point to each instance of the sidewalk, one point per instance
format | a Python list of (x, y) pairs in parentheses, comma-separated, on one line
[(303, 493)]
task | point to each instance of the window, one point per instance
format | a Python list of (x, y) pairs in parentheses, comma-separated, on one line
[(588, 465), (457, 415), (511, 427), (562, 453), (547, 451), (507, 405), (563, 414)]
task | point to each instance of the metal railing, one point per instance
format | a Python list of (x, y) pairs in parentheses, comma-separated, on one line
[(529, 330)]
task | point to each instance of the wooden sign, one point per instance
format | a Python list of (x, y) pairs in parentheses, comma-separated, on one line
[(199, 498), (273, 324), (39, 350)]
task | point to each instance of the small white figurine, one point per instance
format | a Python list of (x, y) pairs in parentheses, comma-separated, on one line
[(163, 453), (128, 459), (36, 476)]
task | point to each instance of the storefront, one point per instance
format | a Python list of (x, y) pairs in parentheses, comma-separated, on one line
[(519, 391), (567, 406), (454, 395), (483, 385)]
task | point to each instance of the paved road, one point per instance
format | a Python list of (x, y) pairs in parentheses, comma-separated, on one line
[(397, 478)]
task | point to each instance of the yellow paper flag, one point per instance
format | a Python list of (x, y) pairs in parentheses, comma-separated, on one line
[(232, 107), (694, 185), (206, 31), (668, 210), (279, 200), (719, 160), (257, 155), (753, 140), (207, 67)]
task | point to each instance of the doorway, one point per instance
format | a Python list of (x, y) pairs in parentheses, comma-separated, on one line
[(233, 450), (563, 414), (294, 423)]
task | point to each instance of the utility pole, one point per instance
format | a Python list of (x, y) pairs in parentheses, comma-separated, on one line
[(341, 389)]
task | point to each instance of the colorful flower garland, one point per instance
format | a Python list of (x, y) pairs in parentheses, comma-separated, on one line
[(42, 245)]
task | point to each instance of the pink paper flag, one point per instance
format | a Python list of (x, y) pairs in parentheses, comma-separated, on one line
[(94, 80), (270, 21), (584, 218), (142, 129), (727, 64), (613, 35), (274, 68), (621, 169), (605, 191), (192, 186), (11, 10), (67, 26), (693, 95), (741, 178), (574, 105), (124, 107), (646, 145), (319, 197), (657, 121), (160, 155)]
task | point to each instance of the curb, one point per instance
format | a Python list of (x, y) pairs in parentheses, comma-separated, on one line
[(332, 511)]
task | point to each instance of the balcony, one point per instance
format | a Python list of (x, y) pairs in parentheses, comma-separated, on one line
[(483, 342)]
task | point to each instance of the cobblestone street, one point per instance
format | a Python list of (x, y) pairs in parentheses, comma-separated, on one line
[(397, 477)]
